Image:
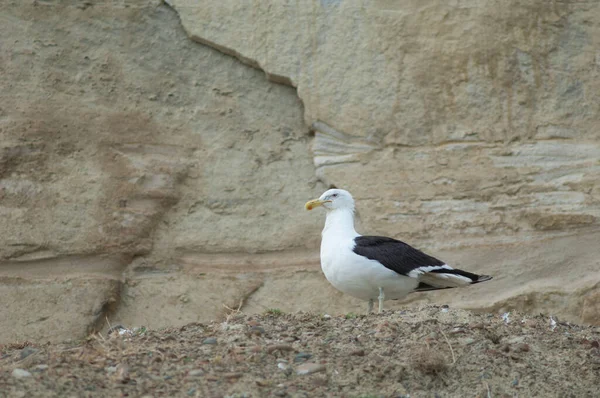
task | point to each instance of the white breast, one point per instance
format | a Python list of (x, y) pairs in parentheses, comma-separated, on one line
[(356, 275)]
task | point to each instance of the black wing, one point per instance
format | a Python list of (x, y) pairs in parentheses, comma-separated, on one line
[(402, 258), (394, 254)]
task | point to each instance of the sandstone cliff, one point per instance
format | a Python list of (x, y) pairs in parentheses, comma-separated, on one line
[(155, 158)]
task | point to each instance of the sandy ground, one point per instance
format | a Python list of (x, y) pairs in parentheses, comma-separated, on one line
[(425, 352)]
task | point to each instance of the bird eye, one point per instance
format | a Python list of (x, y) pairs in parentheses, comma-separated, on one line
[(335, 195)]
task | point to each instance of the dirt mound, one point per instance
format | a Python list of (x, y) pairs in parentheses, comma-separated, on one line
[(426, 352)]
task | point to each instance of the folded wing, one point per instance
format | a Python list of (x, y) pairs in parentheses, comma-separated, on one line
[(406, 260)]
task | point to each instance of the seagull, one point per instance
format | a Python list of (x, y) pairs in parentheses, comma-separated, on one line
[(377, 267)]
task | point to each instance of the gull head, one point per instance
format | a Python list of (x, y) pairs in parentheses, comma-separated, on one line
[(332, 199)]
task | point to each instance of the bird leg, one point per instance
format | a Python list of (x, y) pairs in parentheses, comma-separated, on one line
[(370, 307), (381, 298)]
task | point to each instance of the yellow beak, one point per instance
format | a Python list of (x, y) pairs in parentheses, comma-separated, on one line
[(315, 203)]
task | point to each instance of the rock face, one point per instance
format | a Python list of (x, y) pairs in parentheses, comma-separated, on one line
[(447, 120), (148, 179), (122, 137)]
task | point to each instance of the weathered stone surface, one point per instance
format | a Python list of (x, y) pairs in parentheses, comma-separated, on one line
[(418, 72), (55, 310), (20, 373), (160, 299), (455, 123), (551, 276), (129, 152), (120, 135), (158, 139)]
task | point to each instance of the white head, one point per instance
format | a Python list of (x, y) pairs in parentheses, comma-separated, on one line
[(333, 199)]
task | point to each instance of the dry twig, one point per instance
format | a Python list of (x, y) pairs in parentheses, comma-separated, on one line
[(449, 345)]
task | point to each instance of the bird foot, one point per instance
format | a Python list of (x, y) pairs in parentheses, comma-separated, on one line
[(381, 298), (370, 306)]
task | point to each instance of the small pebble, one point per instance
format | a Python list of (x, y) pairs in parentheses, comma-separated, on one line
[(522, 347), (210, 340), (282, 366), (257, 330), (516, 340), (20, 373), (27, 351), (310, 368), (302, 356), (196, 372), (466, 341), (41, 367)]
